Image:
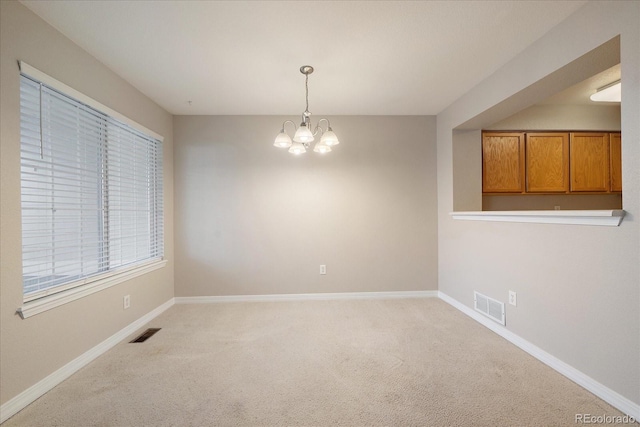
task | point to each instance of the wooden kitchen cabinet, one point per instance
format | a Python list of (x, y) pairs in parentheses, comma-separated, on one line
[(503, 162), (589, 162), (615, 161), (551, 162), (547, 162)]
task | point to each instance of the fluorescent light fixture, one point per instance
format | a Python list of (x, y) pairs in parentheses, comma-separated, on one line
[(609, 93)]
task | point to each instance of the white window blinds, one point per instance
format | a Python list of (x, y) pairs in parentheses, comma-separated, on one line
[(91, 192)]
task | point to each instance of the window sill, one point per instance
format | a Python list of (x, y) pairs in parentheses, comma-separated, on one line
[(41, 305), (610, 218)]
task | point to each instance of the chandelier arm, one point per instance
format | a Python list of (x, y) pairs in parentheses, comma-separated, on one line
[(289, 121), (318, 128), (326, 120)]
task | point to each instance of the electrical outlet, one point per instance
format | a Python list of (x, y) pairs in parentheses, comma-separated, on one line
[(323, 269), (557, 208), (126, 301), (513, 298)]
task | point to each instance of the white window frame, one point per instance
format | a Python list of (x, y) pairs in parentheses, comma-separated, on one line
[(88, 285)]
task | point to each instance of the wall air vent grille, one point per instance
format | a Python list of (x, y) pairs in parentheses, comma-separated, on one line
[(490, 307)]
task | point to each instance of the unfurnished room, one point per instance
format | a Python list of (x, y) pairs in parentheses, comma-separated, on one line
[(313, 213)]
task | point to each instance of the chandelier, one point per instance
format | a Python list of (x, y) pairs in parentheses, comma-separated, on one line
[(304, 136)]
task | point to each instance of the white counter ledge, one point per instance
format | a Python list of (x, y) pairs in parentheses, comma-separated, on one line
[(611, 218)]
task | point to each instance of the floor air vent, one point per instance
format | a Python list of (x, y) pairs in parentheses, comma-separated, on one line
[(490, 307), (146, 335)]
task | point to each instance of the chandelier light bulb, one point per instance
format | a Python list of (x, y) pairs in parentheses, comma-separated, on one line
[(283, 140), (303, 134), (329, 138), (297, 148), (321, 148)]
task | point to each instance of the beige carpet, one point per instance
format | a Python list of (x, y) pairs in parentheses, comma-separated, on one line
[(414, 362)]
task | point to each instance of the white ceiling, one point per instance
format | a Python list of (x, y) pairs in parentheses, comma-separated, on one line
[(243, 57), (579, 94)]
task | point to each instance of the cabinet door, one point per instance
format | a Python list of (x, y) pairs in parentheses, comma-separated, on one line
[(615, 154), (589, 158), (547, 159), (502, 162)]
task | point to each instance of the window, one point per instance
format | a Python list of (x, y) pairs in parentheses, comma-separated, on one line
[(91, 189)]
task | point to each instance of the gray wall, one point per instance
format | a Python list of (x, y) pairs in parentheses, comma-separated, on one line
[(467, 170), (532, 202), (578, 293), (254, 219), (33, 348)]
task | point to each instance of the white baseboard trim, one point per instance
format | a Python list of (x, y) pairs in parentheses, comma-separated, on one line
[(306, 297), (614, 399), (13, 406)]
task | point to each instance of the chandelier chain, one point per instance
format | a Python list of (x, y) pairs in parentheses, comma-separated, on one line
[(306, 87)]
